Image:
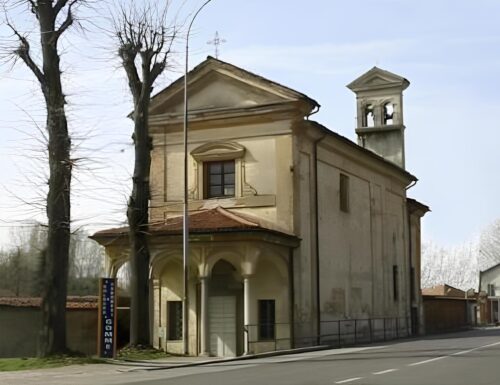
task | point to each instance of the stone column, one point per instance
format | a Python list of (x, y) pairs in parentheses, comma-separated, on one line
[(205, 348), (156, 310), (246, 312), (248, 269)]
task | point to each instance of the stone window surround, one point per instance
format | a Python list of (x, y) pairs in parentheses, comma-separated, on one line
[(220, 151)]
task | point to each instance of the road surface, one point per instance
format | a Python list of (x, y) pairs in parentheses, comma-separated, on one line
[(467, 358)]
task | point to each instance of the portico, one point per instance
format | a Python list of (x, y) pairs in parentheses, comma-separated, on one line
[(235, 264)]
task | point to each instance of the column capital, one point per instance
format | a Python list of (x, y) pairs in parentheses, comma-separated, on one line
[(249, 261)]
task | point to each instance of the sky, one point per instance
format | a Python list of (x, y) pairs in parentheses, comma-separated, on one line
[(448, 50)]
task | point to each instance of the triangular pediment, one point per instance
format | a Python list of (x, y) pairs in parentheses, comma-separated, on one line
[(217, 86), (377, 78)]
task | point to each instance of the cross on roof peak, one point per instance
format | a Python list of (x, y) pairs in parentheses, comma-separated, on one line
[(216, 41)]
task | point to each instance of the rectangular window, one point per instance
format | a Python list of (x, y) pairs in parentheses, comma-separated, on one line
[(491, 290), (219, 179), (174, 320), (344, 193), (266, 319), (395, 282)]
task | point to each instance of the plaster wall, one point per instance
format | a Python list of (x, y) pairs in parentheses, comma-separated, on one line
[(491, 277), (357, 249), (171, 289), (262, 175), (269, 283)]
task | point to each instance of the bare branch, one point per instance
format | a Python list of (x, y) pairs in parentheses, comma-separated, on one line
[(59, 5), (68, 21), (23, 52)]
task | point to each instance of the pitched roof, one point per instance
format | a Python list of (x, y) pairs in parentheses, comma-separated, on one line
[(490, 268), (443, 291), (364, 150), (212, 63), (377, 78), (215, 220)]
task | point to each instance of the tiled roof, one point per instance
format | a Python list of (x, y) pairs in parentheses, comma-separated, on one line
[(444, 291), (212, 220), (72, 302)]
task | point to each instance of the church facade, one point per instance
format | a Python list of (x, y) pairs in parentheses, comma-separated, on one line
[(292, 226)]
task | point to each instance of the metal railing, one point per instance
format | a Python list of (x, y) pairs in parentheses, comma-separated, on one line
[(334, 333)]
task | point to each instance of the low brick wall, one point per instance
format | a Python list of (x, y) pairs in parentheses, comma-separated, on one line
[(19, 328)]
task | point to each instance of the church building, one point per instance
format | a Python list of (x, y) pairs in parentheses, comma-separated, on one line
[(293, 227)]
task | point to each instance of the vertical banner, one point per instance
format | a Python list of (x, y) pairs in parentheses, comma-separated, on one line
[(106, 343)]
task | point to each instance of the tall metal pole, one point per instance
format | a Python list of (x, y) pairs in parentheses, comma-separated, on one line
[(185, 222)]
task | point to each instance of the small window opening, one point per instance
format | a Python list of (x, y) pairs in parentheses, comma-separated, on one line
[(344, 193), (388, 114), (369, 116), (267, 320), (174, 319), (395, 282)]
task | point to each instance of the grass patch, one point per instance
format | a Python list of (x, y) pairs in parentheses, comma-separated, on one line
[(13, 364), (141, 353)]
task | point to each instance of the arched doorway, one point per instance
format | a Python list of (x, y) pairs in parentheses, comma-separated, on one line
[(225, 311)]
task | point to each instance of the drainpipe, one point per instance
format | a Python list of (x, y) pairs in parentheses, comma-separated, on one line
[(316, 212)]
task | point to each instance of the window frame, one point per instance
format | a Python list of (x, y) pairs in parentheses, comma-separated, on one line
[(219, 151), (174, 320), (206, 178), (267, 319)]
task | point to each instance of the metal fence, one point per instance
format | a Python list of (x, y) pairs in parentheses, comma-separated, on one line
[(335, 333)]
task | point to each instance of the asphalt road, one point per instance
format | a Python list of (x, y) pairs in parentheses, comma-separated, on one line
[(467, 358)]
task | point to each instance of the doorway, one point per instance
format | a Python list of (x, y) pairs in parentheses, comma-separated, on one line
[(222, 325), (225, 311)]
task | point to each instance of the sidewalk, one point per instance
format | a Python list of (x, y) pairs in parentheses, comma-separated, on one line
[(116, 371), (188, 361)]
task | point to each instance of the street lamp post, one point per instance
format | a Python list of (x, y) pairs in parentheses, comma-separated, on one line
[(185, 222)]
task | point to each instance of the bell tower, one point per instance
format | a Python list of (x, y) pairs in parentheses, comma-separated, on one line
[(379, 124)]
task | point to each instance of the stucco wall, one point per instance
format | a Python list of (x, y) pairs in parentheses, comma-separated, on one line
[(265, 169), (19, 328), (358, 248), (491, 277)]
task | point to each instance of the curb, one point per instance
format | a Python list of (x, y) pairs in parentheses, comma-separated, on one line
[(151, 366)]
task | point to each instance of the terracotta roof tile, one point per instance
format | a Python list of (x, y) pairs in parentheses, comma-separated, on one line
[(444, 291), (212, 220), (72, 302)]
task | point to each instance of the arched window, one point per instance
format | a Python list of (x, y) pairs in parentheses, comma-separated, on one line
[(369, 116), (388, 113)]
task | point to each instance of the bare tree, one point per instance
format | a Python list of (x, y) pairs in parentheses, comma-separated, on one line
[(456, 266), (53, 18), (489, 246), (144, 47)]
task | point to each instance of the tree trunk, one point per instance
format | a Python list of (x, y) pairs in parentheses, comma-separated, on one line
[(53, 333), (138, 219)]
